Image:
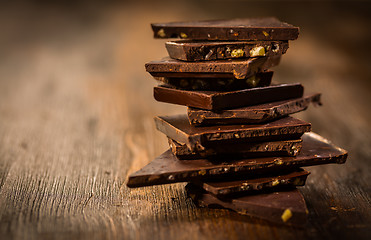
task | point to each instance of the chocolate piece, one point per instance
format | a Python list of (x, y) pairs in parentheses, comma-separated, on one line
[(178, 128), (233, 29), (201, 51), (286, 206), (296, 178), (212, 100), (236, 68), (169, 169), (262, 79), (253, 114), (242, 150)]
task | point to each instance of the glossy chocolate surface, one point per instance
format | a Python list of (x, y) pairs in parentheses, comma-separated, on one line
[(242, 150), (254, 114), (167, 168), (261, 79), (178, 128), (213, 100), (285, 206), (233, 68), (216, 50), (252, 185), (233, 29)]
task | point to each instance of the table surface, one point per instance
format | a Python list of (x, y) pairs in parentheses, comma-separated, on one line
[(76, 118)]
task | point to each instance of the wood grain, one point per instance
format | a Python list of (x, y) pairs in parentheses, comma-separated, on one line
[(76, 117)]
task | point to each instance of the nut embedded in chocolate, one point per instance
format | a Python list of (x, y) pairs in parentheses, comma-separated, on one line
[(253, 114), (178, 128), (237, 68), (286, 206), (262, 79), (316, 150), (242, 150), (233, 29), (254, 184)]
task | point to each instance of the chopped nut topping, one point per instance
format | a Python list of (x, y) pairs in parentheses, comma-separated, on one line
[(294, 150), (161, 33), (237, 53), (286, 215), (275, 182), (223, 191), (278, 161), (257, 52), (209, 54), (244, 187), (275, 48)]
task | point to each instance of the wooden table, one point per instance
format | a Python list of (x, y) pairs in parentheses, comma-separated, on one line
[(76, 117)]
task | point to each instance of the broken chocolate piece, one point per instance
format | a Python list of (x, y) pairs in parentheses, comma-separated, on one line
[(212, 100), (296, 178), (286, 206), (178, 128), (243, 150), (214, 50), (253, 114), (237, 68), (233, 29), (262, 79), (167, 168)]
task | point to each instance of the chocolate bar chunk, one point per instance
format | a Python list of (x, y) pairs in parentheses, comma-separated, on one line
[(262, 79), (286, 206), (215, 50), (167, 168), (295, 178), (178, 128), (212, 100), (236, 68), (242, 150), (253, 114), (233, 29)]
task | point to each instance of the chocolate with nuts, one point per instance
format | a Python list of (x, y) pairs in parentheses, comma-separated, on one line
[(216, 50), (236, 68), (167, 168), (178, 128), (256, 183), (213, 100), (242, 150), (285, 206), (266, 29), (253, 114), (261, 79)]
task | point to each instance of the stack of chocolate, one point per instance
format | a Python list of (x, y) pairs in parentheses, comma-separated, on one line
[(237, 147)]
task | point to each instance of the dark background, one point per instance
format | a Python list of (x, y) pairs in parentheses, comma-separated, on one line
[(76, 111)]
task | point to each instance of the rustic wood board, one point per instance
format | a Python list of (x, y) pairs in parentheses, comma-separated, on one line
[(76, 117)]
